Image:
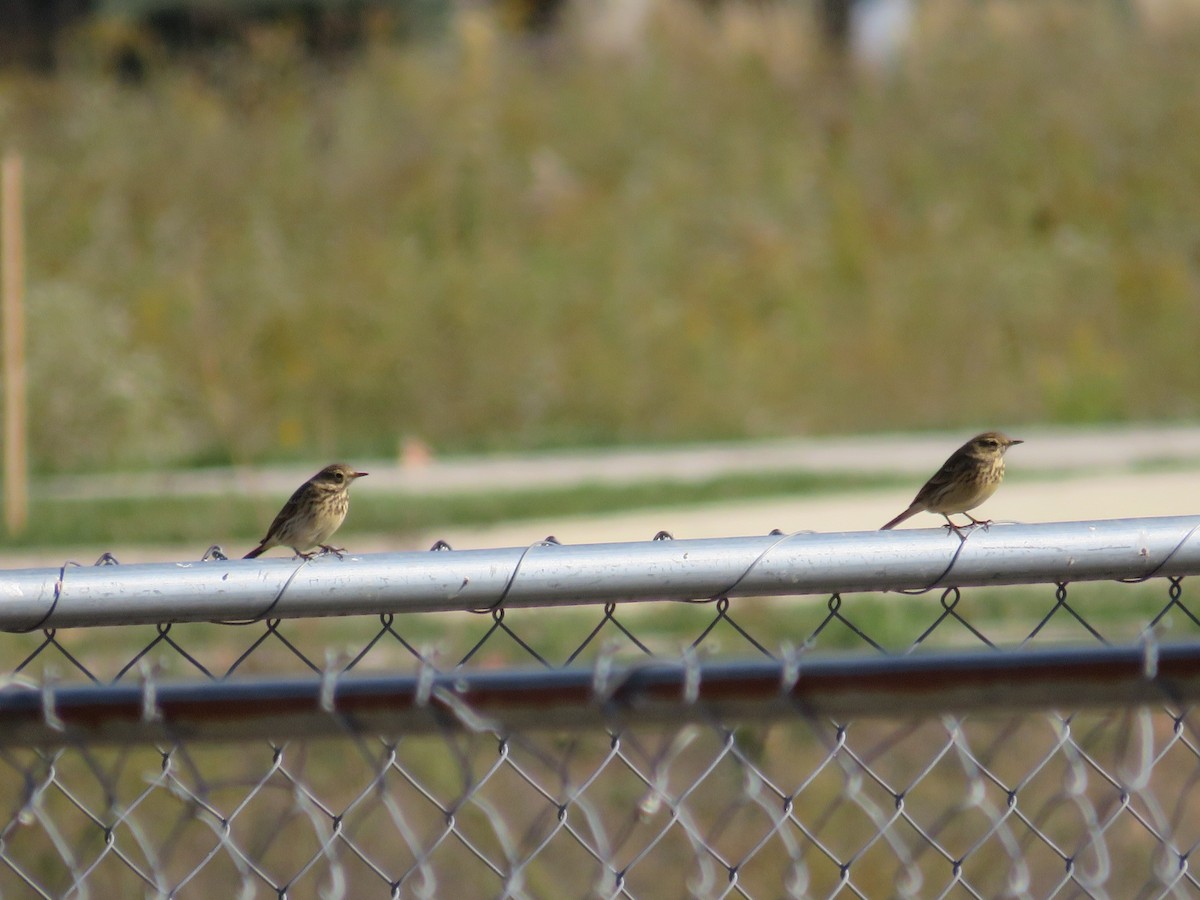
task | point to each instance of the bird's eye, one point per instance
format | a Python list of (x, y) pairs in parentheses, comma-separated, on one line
[(338, 476)]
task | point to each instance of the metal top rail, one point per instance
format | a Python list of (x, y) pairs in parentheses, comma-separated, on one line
[(549, 574)]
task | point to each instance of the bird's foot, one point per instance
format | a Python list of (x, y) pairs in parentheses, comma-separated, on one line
[(336, 551), (960, 531)]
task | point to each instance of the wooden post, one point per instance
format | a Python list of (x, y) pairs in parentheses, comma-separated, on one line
[(12, 325)]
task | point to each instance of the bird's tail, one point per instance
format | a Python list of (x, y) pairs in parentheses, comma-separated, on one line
[(907, 514), (256, 551)]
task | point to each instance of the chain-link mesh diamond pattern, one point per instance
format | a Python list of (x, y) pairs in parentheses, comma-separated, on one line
[(1065, 802)]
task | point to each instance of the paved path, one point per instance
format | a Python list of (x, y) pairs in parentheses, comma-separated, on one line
[(1046, 449), (1092, 496), (1097, 476)]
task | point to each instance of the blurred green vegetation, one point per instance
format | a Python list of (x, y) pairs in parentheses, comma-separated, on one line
[(696, 229)]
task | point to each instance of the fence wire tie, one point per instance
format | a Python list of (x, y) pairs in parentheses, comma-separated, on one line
[(214, 553), (22, 682), (59, 583), (462, 711), (780, 538), (1137, 776), (603, 687), (49, 714), (1166, 559), (265, 614), (317, 818), (963, 537), (691, 676), (548, 541), (1149, 641), (426, 672), (327, 702), (150, 710), (107, 559), (789, 670)]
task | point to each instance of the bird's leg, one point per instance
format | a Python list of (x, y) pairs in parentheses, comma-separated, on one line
[(336, 551), (304, 555), (986, 523), (959, 530)]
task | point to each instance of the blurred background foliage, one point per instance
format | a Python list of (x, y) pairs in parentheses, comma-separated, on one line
[(686, 223)]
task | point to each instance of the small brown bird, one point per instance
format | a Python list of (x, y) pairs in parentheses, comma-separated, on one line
[(965, 480), (313, 513)]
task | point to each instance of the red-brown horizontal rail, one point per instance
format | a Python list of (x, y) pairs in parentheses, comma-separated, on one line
[(839, 688)]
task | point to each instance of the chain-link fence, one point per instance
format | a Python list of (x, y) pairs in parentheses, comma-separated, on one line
[(1021, 726)]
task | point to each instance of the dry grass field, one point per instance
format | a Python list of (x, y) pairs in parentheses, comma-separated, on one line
[(693, 228)]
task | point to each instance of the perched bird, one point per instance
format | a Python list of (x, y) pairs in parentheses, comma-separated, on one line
[(965, 480), (312, 514)]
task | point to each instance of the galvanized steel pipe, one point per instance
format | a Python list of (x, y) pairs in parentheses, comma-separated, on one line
[(550, 574)]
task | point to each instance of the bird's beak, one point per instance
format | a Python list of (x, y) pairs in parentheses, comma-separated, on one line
[(361, 474), (1015, 441)]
